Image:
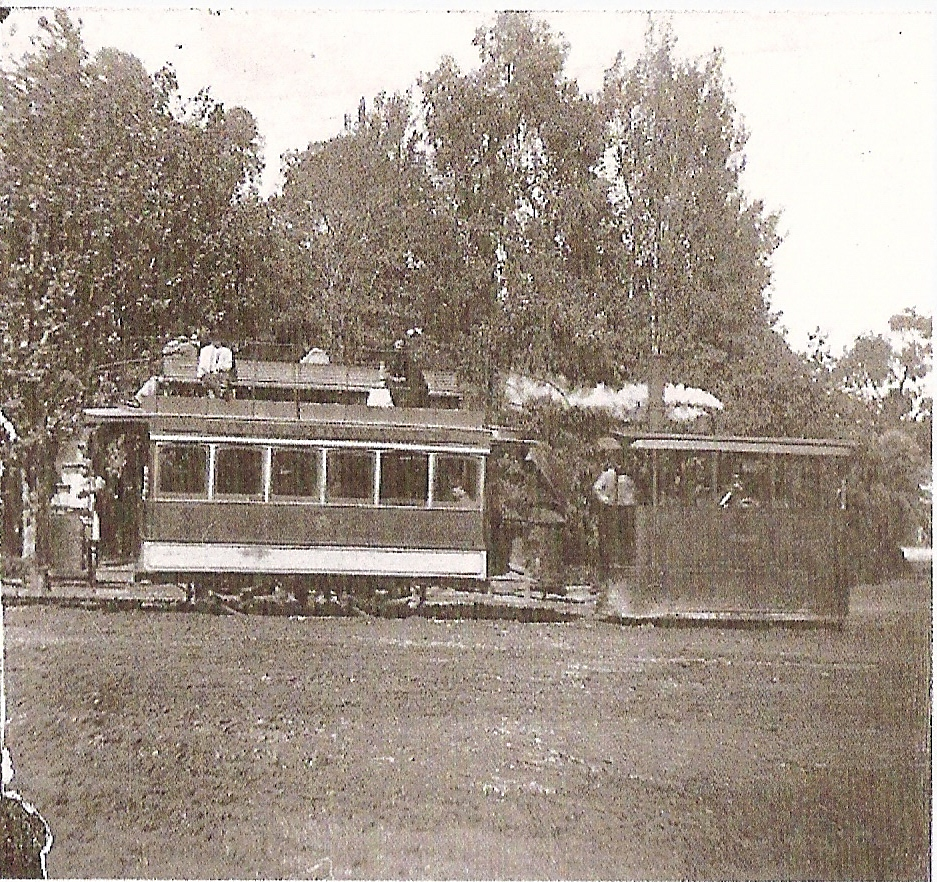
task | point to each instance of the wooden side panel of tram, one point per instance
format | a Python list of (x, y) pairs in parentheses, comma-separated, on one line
[(311, 525), (770, 561)]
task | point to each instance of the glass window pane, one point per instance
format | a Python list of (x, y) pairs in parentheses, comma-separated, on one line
[(183, 468), (239, 471), (455, 481), (349, 476), (404, 478), (294, 473)]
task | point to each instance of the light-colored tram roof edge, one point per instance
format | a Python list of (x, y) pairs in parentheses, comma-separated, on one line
[(114, 414), (167, 410), (736, 443)]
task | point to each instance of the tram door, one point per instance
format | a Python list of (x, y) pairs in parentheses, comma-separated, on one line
[(119, 460)]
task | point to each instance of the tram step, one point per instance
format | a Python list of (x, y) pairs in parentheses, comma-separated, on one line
[(122, 574)]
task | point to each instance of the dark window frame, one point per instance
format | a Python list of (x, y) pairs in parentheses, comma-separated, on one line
[(160, 492), (334, 499), (253, 495), (316, 453), (404, 501)]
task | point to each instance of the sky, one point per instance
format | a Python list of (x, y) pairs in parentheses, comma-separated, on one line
[(840, 106)]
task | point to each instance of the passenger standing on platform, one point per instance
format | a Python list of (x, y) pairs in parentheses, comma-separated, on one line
[(605, 490), (605, 487), (616, 517), (94, 541), (626, 504)]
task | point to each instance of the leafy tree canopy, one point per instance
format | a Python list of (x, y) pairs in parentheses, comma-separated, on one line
[(126, 215), (693, 251)]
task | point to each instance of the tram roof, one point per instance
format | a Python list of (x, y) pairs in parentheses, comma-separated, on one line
[(737, 444), (190, 416)]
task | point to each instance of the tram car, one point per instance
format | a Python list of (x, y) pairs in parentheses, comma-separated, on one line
[(295, 472), (324, 476), (729, 528)]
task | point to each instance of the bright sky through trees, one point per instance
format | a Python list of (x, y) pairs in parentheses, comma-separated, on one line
[(839, 106)]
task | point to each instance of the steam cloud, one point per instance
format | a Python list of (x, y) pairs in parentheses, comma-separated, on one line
[(684, 403)]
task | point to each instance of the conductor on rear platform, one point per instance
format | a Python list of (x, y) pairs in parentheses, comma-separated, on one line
[(616, 493)]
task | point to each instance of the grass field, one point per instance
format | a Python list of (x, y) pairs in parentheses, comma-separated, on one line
[(180, 745)]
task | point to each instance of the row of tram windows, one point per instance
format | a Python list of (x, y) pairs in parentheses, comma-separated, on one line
[(737, 480), (317, 475)]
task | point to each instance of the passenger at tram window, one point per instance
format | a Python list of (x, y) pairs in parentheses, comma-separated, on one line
[(746, 481), (671, 481), (605, 488), (734, 494), (639, 468), (455, 481), (698, 476)]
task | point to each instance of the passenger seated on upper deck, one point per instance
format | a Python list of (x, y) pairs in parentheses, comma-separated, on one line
[(215, 368)]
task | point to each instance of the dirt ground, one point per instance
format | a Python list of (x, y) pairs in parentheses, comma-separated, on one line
[(187, 745)]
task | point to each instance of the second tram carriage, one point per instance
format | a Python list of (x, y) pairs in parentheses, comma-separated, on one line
[(731, 527)]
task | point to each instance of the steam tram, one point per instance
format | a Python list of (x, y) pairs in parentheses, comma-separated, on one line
[(291, 475), (731, 528)]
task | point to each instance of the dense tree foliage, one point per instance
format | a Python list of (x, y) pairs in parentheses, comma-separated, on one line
[(529, 227), (126, 215), (512, 147), (692, 251), (523, 225), (365, 254), (880, 386)]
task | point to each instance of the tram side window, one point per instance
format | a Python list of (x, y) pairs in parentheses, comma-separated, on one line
[(684, 478), (811, 483), (239, 471), (404, 478), (182, 469), (294, 473), (349, 476), (455, 481)]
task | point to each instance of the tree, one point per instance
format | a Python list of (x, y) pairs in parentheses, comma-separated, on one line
[(769, 390), (880, 384), (692, 251), (119, 206), (363, 244), (511, 148), (886, 375)]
